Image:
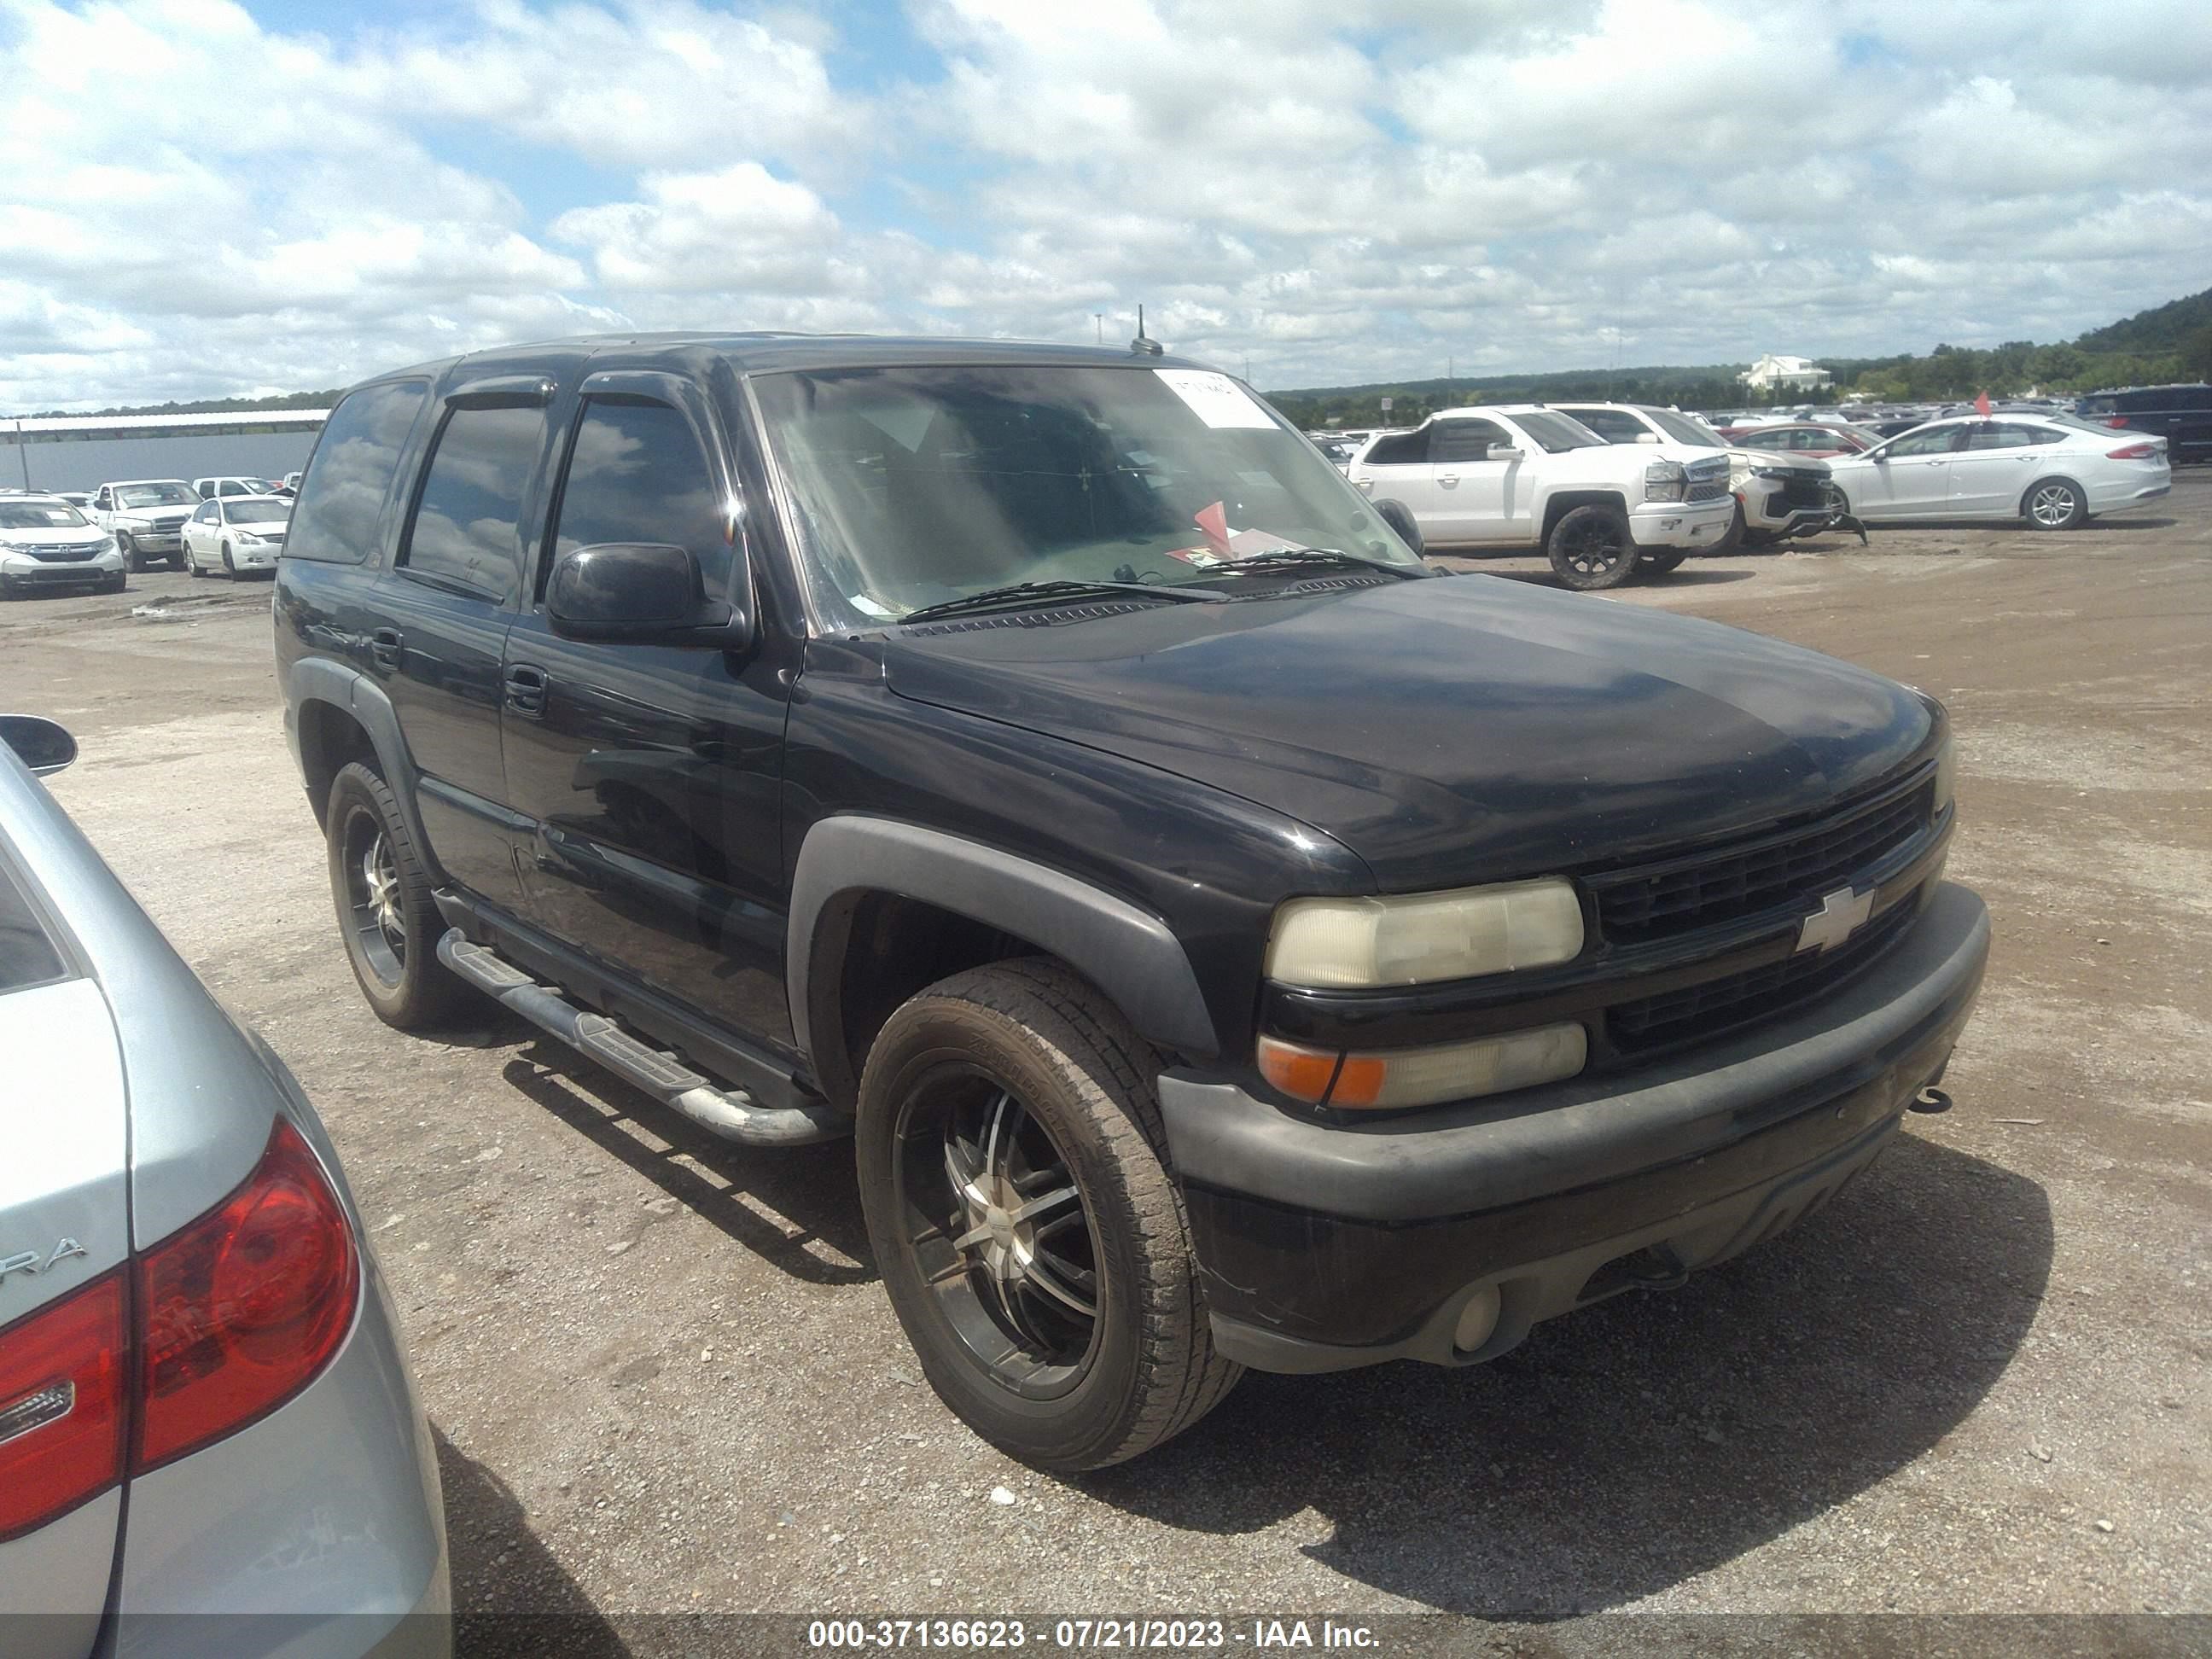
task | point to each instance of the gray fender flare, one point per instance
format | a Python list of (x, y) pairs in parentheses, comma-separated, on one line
[(317, 679), (1126, 952)]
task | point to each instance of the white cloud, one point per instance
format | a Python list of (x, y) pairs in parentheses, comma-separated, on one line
[(1342, 193)]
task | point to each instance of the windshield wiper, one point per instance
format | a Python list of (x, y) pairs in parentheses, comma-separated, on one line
[(1281, 558), (1016, 595)]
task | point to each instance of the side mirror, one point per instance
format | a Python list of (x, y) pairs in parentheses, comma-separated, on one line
[(1506, 452), (39, 744), (640, 592), (1647, 437), (1400, 517)]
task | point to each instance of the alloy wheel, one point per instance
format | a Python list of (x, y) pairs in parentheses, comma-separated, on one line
[(373, 898), (1592, 549), (991, 1209), (2052, 506)]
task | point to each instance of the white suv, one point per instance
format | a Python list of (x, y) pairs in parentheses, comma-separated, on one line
[(1778, 496), (1525, 476), (44, 542)]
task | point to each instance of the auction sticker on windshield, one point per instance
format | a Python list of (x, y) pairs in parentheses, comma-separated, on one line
[(1218, 400)]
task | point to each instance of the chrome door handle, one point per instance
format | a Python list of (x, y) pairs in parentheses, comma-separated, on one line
[(384, 646), (1449, 479)]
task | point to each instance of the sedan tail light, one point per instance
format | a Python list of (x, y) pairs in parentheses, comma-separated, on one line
[(225, 1320), (240, 1311), (2116, 420), (63, 1387), (2132, 453)]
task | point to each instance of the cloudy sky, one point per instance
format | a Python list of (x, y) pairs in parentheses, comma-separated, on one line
[(200, 199)]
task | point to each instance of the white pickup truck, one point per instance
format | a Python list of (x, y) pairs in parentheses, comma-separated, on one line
[(1522, 476), (146, 516)]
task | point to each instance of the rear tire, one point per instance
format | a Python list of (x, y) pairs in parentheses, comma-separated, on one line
[(389, 922), (1013, 1170), (1590, 549), (2055, 504)]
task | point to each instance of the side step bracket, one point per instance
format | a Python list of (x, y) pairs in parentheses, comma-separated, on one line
[(730, 1113)]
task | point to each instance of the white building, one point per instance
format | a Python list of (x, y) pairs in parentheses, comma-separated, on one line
[(1773, 373)]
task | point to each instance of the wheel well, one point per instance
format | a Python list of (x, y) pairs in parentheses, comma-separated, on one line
[(894, 947), (330, 739), (1567, 501), (2028, 494)]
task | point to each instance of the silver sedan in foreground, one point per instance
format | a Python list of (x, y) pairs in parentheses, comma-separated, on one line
[(209, 1442)]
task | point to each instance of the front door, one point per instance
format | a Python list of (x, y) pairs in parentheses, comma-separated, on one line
[(651, 775), (1910, 478), (441, 619)]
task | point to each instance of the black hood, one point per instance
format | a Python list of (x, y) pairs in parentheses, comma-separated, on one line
[(1463, 729)]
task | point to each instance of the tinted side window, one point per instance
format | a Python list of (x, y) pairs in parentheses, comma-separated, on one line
[(1925, 443), (2193, 396), (637, 474), (1463, 441), (342, 496), (1615, 426), (466, 531), (2000, 437), (1400, 449)]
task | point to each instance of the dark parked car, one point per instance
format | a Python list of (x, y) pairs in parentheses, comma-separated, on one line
[(1228, 942), (2182, 415)]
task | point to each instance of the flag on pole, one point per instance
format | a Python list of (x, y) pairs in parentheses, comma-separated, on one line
[(1982, 406)]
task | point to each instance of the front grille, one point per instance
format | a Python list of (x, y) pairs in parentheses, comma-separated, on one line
[(1706, 492), (1803, 493), (1721, 1005), (61, 552), (1684, 894)]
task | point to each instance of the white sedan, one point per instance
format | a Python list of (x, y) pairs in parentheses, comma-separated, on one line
[(2053, 470), (233, 533)]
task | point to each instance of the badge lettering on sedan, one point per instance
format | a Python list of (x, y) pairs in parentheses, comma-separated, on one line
[(34, 1261), (1842, 914)]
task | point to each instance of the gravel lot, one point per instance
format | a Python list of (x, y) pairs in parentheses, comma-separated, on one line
[(662, 1377)]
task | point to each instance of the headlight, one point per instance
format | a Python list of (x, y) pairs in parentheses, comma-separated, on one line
[(1772, 471), (1425, 1077), (1947, 774), (1665, 481), (250, 538), (1410, 939)]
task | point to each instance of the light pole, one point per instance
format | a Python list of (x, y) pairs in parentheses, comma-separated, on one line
[(1099, 317)]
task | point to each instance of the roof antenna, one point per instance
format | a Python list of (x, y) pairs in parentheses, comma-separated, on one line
[(1144, 345)]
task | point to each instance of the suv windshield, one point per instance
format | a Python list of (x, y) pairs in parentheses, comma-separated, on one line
[(39, 515), (155, 494), (1554, 433), (917, 485)]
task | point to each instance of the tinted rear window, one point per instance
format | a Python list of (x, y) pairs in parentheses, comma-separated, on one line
[(343, 493), (27, 956)]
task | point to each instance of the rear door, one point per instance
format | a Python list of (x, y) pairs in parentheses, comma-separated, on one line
[(1476, 502), (650, 775), (1396, 468), (444, 609), (1992, 468), (64, 1241)]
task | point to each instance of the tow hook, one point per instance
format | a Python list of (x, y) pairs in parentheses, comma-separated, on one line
[(1931, 1100)]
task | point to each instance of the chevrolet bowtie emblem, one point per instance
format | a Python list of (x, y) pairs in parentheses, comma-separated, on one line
[(1842, 914)]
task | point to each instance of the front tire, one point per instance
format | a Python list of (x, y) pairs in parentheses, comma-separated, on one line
[(1033, 1243), (386, 913), (2055, 504), (133, 559), (1590, 549), (230, 568)]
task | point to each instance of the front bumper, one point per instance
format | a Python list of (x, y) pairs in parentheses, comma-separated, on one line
[(1678, 524), (1780, 509), (21, 570), (155, 538), (251, 557), (1325, 1246)]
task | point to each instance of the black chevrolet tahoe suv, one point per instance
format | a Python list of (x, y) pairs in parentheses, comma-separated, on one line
[(1227, 941)]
